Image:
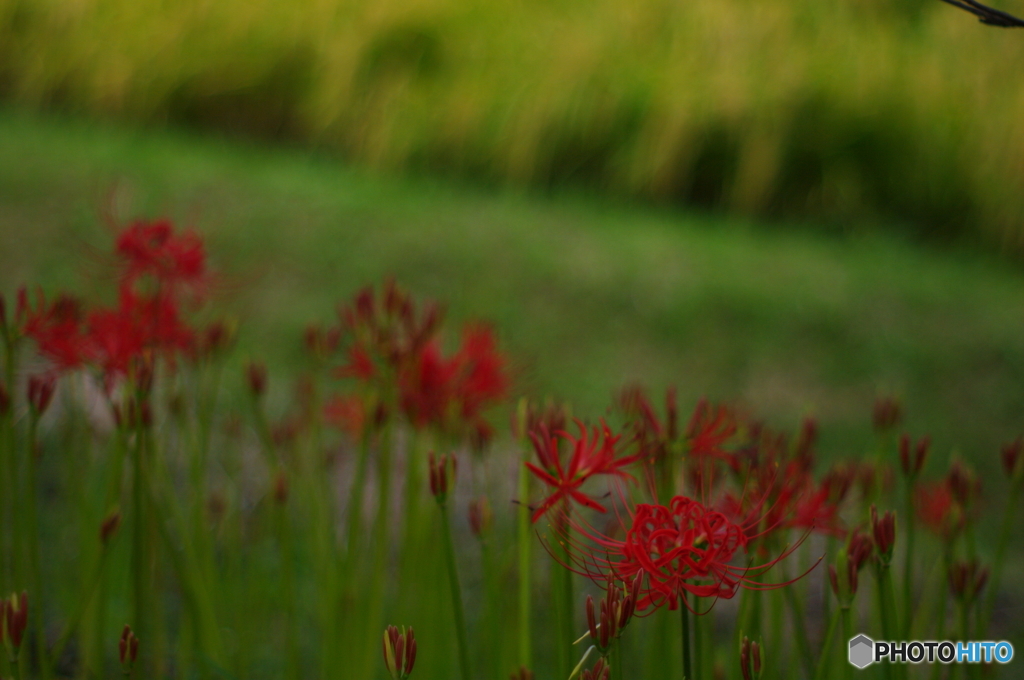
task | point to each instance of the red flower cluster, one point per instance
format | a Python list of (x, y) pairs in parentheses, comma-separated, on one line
[(682, 548), (592, 453), (155, 267), (395, 353)]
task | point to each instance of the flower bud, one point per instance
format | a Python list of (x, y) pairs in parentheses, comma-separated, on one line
[(281, 488), (40, 392), (888, 413), (256, 374), (14, 621), (600, 671), (111, 523), (5, 400), (399, 652), (128, 649), (966, 580), (912, 462), (884, 532), (1010, 456), (523, 673), (442, 476), (480, 516)]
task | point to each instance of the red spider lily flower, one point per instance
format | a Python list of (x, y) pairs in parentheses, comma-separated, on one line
[(593, 453), (682, 548), (118, 338), (938, 510), (57, 330), (452, 393), (347, 413), (153, 249), (653, 437), (710, 428)]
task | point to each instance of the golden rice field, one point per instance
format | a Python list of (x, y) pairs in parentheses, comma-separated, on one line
[(904, 112)]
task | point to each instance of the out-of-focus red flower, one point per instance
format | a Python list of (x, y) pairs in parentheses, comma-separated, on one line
[(710, 428), (117, 338), (153, 249), (684, 547), (592, 453), (347, 413), (937, 509), (887, 414), (1012, 457), (57, 330)]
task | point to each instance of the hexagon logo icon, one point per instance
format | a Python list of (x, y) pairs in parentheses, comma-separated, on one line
[(862, 651)]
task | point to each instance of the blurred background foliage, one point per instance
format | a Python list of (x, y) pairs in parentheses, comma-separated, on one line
[(838, 111)]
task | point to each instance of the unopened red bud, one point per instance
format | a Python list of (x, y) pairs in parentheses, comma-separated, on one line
[(256, 374), (1012, 458), (3, 314), (480, 516), (523, 673), (5, 400), (399, 652), (21, 307), (40, 392), (281, 488), (745, 658), (442, 475), (672, 414), (888, 413), (15, 621), (128, 648), (884, 532), (108, 529)]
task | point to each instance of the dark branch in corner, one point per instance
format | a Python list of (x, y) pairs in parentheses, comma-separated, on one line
[(987, 15)]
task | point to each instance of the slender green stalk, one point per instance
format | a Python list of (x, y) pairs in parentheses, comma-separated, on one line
[(382, 537), (846, 616), (1009, 517), (523, 538), (140, 597), (822, 669), (32, 533), (698, 645), (800, 633), (285, 545), (565, 593), (887, 610), (453, 582), (941, 615), (684, 617), (908, 565), (615, 659)]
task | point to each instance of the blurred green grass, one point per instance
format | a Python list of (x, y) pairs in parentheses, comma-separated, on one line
[(840, 111), (586, 294)]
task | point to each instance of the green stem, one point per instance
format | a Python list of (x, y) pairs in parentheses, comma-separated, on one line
[(846, 616), (698, 645), (32, 531), (140, 600), (566, 635), (985, 618), (684, 613), (453, 582), (284, 542), (908, 566), (826, 649), (887, 609), (523, 545), (802, 644), (615, 659)]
